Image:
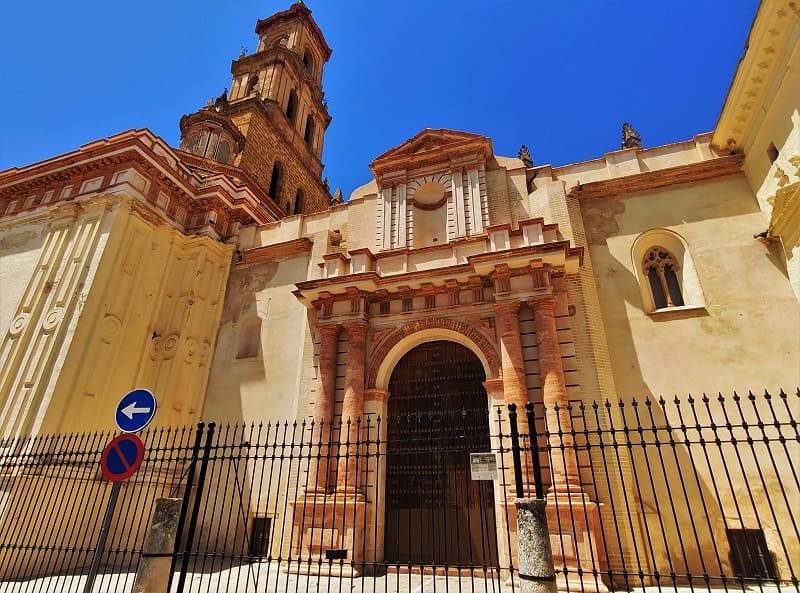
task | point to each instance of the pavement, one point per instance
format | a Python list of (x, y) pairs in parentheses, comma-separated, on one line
[(270, 578)]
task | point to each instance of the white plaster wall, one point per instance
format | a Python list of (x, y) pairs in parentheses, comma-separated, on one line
[(264, 387)]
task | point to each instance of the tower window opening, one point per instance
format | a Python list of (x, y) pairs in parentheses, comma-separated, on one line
[(298, 202), (275, 181), (291, 106), (308, 136), (252, 86), (308, 62), (223, 151)]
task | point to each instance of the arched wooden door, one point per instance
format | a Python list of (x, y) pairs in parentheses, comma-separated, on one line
[(438, 415)]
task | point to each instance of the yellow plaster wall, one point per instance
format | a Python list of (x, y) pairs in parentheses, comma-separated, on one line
[(738, 340), (46, 280), (148, 321)]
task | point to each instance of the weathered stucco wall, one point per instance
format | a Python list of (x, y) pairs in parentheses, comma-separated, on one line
[(259, 363), (738, 340)]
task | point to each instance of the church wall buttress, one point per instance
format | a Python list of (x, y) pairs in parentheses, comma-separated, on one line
[(35, 344), (149, 321)]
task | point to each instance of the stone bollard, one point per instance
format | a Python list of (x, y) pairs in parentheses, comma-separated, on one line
[(535, 557), (155, 564)]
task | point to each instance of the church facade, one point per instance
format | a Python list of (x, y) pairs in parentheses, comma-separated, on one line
[(225, 277)]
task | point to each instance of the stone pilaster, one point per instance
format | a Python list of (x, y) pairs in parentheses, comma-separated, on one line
[(353, 405), (319, 472)]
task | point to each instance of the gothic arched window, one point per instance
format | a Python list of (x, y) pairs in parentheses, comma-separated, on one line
[(275, 181), (660, 267)]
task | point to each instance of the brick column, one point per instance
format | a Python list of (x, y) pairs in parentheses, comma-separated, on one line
[(554, 393), (353, 405), (319, 472), (514, 388)]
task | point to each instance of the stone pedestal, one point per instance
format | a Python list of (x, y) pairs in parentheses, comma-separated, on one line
[(535, 557), (576, 541), (154, 569), (328, 534)]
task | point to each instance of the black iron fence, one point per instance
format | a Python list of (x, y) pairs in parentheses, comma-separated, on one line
[(700, 492)]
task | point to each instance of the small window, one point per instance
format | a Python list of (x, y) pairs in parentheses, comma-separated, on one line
[(259, 536), (750, 556), (291, 106), (665, 271), (275, 181), (772, 153), (661, 267), (308, 136), (298, 202)]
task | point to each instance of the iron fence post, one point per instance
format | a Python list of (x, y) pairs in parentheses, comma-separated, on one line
[(512, 419), (187, 494), (537, 464), (201, 478)]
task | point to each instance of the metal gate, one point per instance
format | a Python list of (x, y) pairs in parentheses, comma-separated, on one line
[(438, 415)]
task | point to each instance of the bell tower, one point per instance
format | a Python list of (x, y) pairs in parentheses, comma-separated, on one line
[(274, 117)]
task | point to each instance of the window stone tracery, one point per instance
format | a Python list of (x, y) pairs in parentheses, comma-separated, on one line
[(660, 267)]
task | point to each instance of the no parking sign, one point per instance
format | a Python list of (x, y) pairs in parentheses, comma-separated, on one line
[(122, 457)]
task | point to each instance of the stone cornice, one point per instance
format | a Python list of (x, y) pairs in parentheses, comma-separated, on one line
[(773, 36), (300, 11), (272, 210), (219, 119), (518, 260), (275, 252), (138, 164), (640, 182), (443, 148)]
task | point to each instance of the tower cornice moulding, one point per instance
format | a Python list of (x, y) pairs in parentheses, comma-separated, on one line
[(772, 39)]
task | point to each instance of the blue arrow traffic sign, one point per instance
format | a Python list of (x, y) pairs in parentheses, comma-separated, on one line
[(135, 410)]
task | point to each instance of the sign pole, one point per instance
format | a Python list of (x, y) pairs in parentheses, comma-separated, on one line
[(101, 538)]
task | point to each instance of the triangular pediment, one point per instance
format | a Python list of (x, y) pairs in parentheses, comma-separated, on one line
[(429, 139), (430, 146)]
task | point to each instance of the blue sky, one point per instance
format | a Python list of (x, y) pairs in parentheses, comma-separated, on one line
[(560, 77)]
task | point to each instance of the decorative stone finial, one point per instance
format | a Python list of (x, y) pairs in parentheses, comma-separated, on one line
[(630, 137), (525, 156), (337, 197)]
